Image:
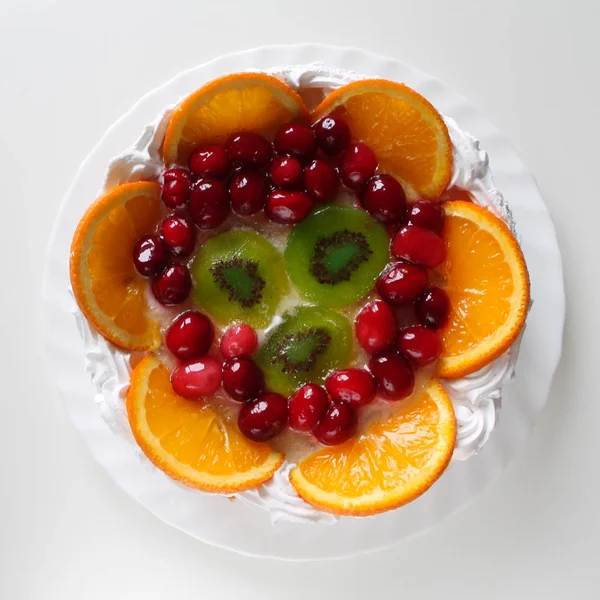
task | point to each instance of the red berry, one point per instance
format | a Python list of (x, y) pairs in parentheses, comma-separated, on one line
[(285, 171), (179, 234), (197, 378), (176, 174), (332, 135), (173, 285), (150, 255), (337, 425), (288, 206), (190, 335), (400, 283), (419, 246), (239, 340), (321, 180), (263, 418), (242, 379), (248, 191), (176, 187), (355, 386), (394, 375), (427, 214), (357, 166), (307, 406), (384, 198), (209, 203), (376, 327), (249, 149), (432, 307), (296, 140), (209, 160), (419, 344)]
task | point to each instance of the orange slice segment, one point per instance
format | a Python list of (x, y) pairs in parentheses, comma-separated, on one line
[(107, 287), (404, 130), (238, 102), (486, 279), (390, 464), (189, 440)]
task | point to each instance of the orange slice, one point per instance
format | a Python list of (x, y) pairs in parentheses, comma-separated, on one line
[(390, 464), (404, 130), (486, 279), (107, 287), (189, 440), (238, 102)]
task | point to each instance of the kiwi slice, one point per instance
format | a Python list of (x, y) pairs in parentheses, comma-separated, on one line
[(335, 255), (239, 275), (310, 341)]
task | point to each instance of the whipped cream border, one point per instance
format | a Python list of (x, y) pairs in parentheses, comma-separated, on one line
[(477, 398)]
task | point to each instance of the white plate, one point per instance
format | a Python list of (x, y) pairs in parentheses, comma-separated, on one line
[(235, 525)]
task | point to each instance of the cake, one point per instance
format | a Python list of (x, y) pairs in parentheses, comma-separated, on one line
[(278, 428)]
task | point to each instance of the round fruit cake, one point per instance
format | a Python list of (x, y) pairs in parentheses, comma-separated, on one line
[(315, 292)]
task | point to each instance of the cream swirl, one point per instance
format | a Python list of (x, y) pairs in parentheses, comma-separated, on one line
[(143, 160), (471, 172), (476, 398), (110, 371), (283, 503)]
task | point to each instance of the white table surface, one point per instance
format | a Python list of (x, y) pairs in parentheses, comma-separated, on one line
[(69, 68)]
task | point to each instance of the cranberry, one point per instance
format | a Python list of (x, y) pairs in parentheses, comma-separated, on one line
[(209, 204), (394, 375), (242, 379), (358, 166), (432, 307), (173, 285), (427, 214), (384, 198), (176, 187), (332, 135), (179, 234), (376, 327), (419, 344), (307, 406), (285, 171), (248, 191), (197, 378), (337, 425), (355, 386), (176, 174), (150, 255), (288, 206), (400, 283), (249, 149), (296, 140), (263, 418), (321, 180), (420, 246), (190, 335), (209, 160), (239, 340)]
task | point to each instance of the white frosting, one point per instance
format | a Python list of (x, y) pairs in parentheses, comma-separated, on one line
[(142, 161), (477, 401), (283, 503), (471, 172), (476, 398)]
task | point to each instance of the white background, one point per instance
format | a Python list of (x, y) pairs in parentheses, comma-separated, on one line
[(68, 69)]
